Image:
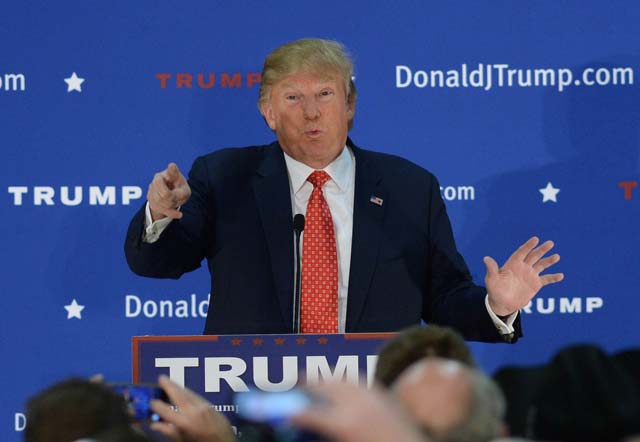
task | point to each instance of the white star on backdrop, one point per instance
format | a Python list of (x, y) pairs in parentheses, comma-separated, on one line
[(549, 193), (74, 83), (74, 310)]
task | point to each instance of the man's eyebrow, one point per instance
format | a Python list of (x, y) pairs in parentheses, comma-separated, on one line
[(328, 79), (290, 85), (322, 80)]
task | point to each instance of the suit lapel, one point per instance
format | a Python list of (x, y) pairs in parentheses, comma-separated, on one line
[(273, 198), (367, 228)]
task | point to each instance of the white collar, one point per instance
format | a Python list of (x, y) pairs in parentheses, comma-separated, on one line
[(340, 171)]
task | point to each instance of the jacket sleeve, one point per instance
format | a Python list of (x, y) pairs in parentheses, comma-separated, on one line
[(185, 242), (453, 299)]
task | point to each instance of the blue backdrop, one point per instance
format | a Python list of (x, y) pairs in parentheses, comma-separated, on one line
[(561, 112)]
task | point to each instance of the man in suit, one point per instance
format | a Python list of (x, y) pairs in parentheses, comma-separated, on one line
[(378, 251)]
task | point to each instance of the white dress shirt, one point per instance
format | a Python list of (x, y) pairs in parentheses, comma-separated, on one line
[(339, 193)]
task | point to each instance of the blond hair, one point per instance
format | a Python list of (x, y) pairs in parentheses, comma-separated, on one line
[(307, 55)]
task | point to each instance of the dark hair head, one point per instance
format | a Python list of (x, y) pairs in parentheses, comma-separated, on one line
[(417, 342), (74, 409), (585, 396)]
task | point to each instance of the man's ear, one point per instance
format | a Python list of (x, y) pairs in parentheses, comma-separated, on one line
[(351, 100), (269, 115), (351, 108)]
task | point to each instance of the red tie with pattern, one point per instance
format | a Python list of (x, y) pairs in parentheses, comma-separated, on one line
[(319, 309)]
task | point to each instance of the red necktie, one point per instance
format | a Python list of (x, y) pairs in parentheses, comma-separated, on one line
[(319, 309)]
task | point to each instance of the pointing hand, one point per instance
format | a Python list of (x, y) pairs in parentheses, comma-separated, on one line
[(167, 192)]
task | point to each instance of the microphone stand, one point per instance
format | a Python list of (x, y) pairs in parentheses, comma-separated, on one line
[(298, 227)]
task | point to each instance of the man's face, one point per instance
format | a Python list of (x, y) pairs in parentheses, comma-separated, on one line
[(310, 116)]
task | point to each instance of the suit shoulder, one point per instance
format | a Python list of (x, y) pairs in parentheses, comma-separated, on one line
[(231, 155), (396, 166), (233, 160)]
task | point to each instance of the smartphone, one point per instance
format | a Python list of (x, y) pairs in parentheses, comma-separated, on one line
[(138, 398), (270, 408), (264, 416)]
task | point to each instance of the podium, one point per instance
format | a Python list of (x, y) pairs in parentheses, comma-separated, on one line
[(216, 367)]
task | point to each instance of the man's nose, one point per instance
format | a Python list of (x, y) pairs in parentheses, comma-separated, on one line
[(310, 108)]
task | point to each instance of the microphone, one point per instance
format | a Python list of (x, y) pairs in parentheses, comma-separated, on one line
[(298, 227)]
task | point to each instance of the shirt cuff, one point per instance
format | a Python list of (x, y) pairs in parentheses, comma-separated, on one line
[(153, 229), (505, 327)]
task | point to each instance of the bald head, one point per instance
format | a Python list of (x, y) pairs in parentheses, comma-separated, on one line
[(436, 393), (451, 402)]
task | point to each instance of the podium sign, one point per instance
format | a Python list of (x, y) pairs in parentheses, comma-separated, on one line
[(216, 367)]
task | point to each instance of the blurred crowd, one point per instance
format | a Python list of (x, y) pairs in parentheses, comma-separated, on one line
[(427, 387)]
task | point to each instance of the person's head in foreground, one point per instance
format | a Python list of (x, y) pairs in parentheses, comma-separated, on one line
[(78, 409), (414, 343), (585, 396), (451, 402), (307, 97)]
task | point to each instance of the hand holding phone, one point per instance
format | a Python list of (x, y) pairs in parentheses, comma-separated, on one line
[(191, 419), (138, 398)]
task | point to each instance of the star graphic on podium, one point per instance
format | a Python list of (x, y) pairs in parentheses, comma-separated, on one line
[(74, 310), (74, 83), (322, 341), (258, 341), (236, 342), (279, 341), (549, 193), (301, 341)]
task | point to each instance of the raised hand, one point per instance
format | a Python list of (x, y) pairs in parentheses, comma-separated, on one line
[(194, 420), (513, 285), (167, 192), (353, 413)]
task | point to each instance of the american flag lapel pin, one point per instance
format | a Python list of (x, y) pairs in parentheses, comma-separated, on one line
[(376, 200)]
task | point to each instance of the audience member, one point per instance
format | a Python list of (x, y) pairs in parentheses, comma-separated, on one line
[(78, 409), (120, 434), (630, 360), (585, 396), (451, 402), (581, 395), (519, 386), (417, 342)]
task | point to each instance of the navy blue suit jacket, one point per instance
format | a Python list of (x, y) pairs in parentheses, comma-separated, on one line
[(404, 263)]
